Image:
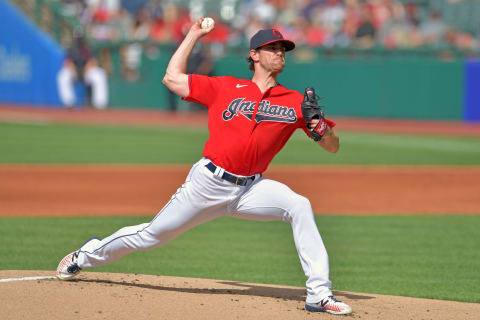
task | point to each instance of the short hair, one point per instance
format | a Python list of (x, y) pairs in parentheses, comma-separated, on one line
[(250, 63)]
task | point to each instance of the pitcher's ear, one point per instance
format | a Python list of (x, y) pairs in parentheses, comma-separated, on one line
[(254, 55)]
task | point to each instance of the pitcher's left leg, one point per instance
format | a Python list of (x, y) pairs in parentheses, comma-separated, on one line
[(271, 200)]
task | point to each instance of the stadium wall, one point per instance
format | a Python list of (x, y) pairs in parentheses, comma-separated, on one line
[(29, 61), (388, 87)]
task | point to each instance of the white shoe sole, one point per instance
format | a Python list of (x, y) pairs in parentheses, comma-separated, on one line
[(62, 275)]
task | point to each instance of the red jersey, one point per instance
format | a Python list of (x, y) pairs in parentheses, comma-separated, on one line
[(247, 128)]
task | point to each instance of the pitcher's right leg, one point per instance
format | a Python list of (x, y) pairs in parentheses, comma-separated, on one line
[(198, 200), (174, 219)]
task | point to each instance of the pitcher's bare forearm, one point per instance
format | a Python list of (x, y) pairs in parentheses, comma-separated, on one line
[(176, 78), (330, 141)]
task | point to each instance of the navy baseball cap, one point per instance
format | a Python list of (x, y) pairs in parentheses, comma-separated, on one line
[(264, 37)]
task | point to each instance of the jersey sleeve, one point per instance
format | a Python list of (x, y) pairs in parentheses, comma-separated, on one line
[(330, 123), (203, 89)]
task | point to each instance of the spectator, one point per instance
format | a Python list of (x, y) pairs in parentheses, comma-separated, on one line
[(316, 34), (72, 71), (96, 80), (66, 78), (79, 54), (433, 29), (132, 53), (81, 67), (264, 11), (163, 23), (333, 16), (365, 35), (353, 18), (399, 31), (181, 25)]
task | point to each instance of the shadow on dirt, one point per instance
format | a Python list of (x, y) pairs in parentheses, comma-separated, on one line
[(248, 290)]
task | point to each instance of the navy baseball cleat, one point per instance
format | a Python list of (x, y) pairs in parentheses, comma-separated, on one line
[(330, 305), (68, 266)]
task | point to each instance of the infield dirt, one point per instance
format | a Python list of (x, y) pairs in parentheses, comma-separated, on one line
[(128, 296), (92, 190)]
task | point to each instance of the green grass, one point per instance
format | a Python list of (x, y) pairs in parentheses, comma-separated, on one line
[(419, 256), (30, 143), (98, 144)]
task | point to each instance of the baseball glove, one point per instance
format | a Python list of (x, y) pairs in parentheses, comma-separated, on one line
[(311, 110)]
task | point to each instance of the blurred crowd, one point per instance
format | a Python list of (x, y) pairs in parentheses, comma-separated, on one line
[(316, 23), (138, 25)]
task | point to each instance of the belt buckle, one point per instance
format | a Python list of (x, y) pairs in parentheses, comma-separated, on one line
[(237, 180)]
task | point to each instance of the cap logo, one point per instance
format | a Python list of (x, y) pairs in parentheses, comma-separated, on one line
[(277, 34)]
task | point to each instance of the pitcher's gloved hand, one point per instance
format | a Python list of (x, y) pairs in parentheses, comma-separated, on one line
[(313, 114)]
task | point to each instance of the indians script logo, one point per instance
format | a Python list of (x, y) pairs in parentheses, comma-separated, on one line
[(266, 112)]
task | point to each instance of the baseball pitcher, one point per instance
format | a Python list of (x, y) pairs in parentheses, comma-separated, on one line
[(249, 122)]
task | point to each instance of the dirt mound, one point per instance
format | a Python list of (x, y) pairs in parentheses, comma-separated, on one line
[(127, 296)]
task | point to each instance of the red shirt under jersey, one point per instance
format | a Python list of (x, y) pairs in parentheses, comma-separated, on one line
[(247, 128)]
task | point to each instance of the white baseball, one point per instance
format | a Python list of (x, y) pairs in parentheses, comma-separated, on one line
[(207, 23)]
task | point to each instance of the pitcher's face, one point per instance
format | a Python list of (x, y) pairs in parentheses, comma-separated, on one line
[(272, 57)]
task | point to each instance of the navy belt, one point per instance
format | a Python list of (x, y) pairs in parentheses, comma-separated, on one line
[(240, 181)]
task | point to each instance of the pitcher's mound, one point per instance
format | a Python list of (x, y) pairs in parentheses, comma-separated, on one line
[(128, 296)]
